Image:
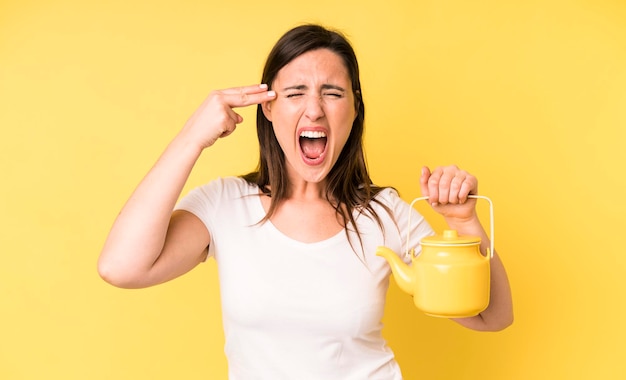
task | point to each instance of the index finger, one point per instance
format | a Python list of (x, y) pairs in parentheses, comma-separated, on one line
[(247, 95)]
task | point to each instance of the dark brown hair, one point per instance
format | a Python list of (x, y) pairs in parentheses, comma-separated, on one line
[(349, 186)]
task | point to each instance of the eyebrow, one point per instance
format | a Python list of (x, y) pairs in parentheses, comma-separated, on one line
[(324, 87)]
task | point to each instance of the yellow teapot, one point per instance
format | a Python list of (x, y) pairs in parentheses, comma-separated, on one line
[(450, 278)]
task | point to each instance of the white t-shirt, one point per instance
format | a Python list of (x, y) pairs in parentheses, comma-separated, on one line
[(294, 310)]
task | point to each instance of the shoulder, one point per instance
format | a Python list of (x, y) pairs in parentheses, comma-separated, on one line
[(216, 192), (388, 197), (398, 209), (384, 206), (226, 186)]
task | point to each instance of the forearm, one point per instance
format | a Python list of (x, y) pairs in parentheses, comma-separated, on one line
[(138, 234)]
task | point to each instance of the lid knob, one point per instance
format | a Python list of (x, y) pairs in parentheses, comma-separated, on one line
[(450, 234)]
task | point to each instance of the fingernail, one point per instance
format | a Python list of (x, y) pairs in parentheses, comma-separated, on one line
[(263, 85), (271, 93)]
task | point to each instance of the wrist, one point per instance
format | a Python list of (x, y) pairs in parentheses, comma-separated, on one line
[(186, 145), (465, 226)]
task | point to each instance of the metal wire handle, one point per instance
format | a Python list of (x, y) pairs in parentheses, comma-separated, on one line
[(491, 222)]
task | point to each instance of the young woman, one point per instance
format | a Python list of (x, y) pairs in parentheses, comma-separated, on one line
[(302, 290)]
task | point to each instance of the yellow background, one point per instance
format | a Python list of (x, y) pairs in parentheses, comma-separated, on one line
[(528, 95)]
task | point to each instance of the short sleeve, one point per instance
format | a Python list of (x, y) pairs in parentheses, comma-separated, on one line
[(201, 201), (412, 226)]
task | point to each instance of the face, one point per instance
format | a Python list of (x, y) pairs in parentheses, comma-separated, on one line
[(312, 114)]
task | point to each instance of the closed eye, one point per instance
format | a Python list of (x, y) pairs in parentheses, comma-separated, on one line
[(334, 94)]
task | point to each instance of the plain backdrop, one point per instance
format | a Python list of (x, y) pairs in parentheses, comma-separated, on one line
[(530, 96)]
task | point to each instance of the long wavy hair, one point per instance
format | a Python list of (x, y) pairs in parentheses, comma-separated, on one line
[(349, 187)]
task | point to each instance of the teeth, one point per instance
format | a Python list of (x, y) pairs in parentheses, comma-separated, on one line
[(312, 134)]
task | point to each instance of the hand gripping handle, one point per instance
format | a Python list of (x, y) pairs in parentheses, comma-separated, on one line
[(491, 222)]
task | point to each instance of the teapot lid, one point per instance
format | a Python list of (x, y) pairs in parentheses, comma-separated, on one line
[(450, 237)]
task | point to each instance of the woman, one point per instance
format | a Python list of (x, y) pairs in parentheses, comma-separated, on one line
[(302, 290)]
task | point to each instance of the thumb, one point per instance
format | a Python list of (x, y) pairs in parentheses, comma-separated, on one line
[(235, 116), (424, 181)]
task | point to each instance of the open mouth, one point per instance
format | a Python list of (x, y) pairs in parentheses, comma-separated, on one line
[(313, 144)]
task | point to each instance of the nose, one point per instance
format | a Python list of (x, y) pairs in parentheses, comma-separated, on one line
[(314, 108)]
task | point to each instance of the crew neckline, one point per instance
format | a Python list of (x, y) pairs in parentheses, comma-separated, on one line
[(260, 211)]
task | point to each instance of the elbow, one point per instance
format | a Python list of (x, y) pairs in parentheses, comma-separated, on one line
[(109, 275), (115, 276), (487, 322), (508, 322), (498, 324)]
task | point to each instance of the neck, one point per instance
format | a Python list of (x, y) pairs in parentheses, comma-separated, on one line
[(301, 190)]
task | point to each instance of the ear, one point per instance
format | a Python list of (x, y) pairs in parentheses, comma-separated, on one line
[(267, 110)]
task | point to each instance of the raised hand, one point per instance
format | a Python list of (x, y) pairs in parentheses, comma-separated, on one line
[(215, 118), (447, 189)]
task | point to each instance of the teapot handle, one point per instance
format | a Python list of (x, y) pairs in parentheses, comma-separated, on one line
[(491, 222)]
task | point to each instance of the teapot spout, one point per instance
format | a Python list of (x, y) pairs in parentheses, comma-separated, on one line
[(401, 272)]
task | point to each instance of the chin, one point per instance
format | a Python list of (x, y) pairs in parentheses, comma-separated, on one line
[(313, 174)]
